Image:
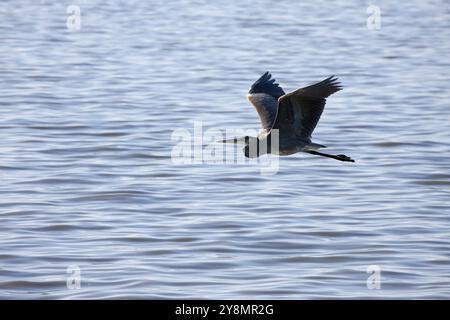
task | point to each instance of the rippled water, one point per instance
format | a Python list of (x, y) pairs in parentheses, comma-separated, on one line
[(87, 176)]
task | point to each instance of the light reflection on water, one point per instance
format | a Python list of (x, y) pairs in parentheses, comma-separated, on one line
[(85, 142)]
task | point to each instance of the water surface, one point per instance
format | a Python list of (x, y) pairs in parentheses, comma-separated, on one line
[(85, 144)]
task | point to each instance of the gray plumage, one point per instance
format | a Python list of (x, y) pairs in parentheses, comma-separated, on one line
[(295, 115)]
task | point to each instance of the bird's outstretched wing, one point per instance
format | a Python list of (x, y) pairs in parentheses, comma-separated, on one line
[(263, 95), (300, 111)]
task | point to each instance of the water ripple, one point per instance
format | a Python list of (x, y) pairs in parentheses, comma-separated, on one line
[(89, 183)]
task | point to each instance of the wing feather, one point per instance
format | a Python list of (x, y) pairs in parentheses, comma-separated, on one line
[(300, 111), (263, 95)]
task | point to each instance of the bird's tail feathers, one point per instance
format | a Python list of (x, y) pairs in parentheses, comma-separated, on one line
[(311, 146)]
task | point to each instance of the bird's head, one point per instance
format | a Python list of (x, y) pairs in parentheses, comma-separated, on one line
[(250, 152), (253, 149)]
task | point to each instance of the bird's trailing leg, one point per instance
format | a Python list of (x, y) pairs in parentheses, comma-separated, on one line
[(340, 157)]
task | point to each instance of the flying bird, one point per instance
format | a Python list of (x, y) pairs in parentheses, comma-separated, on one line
[(294, 115)]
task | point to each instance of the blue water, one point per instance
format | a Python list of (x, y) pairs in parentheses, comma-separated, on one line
[(86, 123)]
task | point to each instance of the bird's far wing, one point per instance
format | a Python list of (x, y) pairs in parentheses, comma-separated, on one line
[(300, 111), (263, 95), (266, 85)]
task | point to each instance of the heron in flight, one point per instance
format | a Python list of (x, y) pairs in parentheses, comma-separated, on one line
[(294, 115)]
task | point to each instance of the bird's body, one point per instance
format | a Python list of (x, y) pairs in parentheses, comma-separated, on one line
[(291, 118)]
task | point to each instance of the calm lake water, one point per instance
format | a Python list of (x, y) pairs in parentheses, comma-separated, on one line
[(88, 186)]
